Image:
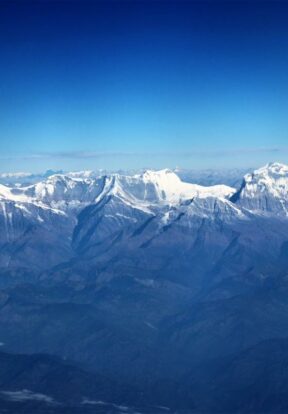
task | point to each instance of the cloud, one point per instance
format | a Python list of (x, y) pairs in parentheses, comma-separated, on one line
[(84, 155), (236, 151), (26, 395)]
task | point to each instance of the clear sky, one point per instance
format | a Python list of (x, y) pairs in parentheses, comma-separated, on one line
[(125, 84)]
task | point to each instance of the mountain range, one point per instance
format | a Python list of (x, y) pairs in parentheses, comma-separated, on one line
[(169, 294), (205, 177)]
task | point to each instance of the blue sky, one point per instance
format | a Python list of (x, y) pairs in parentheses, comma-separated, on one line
[(119, 84)]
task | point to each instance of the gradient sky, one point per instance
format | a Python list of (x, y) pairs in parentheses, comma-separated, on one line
[(120, 84)]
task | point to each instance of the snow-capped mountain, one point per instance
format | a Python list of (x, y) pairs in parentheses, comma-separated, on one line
[(265, 190), (63, 191), (72, 190), (96, 213), (134, 275)]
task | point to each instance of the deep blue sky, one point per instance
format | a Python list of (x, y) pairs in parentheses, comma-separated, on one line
[(149, 84)]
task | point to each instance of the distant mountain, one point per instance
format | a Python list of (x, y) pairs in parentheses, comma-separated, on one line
[(229, 176), (24, 178)]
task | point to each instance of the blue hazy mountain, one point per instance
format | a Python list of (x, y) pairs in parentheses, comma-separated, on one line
[(144, 290)]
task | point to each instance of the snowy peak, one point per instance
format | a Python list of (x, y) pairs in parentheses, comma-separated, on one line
[(169, 187), (272, 177), (81, 174), (159, 186), (161, 177), (162, 187), (4, 192), (276, 168), (65, 189), (164, 183), (8, 194), (266, 190)]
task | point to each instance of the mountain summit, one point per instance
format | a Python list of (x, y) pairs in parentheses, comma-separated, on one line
[(265, 190)]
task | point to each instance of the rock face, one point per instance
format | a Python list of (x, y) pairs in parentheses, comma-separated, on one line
[(150, 281)]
